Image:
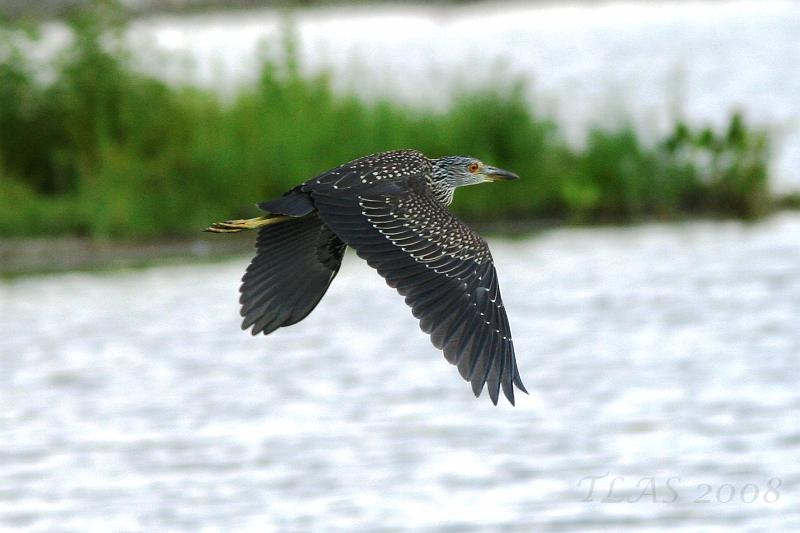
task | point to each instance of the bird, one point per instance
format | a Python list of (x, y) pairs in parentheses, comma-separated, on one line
[(391, 207)]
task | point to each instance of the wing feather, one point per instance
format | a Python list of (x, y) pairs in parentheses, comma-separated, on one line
[(442, 267), (296, 261)]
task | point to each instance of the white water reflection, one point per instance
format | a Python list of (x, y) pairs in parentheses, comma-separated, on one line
[(132, 401)]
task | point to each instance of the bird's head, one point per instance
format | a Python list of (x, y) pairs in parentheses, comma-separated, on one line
[(457, 171)]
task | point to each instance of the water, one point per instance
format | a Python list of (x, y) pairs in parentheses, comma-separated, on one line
[(132, 401), (588, 63)]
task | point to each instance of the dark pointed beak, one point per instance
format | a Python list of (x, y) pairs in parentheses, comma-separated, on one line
[(498, 174)]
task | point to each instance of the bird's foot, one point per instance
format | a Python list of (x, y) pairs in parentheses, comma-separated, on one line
[(235, 226)]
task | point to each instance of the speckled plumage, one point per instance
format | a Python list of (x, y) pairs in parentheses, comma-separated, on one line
[(391, 208)]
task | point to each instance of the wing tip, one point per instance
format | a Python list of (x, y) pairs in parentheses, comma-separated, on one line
[(494, 391), (477, 387), (518, 382)]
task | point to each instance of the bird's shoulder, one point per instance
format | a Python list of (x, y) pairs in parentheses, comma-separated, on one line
[(416, 215), (401, 167)]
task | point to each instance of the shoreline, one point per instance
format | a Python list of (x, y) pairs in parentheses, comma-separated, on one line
[(51, 255), (33, 256)]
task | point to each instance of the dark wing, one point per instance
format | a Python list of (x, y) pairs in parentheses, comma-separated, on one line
[(442, 267), (296, 261)]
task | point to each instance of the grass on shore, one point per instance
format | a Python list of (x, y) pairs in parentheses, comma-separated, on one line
[(100, 149)]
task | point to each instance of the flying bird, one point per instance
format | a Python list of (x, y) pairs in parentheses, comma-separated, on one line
[(391, 207)]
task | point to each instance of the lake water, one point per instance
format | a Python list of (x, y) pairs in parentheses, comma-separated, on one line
[(665, 356), (587, 62)]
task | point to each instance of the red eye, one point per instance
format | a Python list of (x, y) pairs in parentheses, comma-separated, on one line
[(473, 167)]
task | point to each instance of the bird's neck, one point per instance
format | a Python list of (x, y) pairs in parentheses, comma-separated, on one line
[(442, 192)]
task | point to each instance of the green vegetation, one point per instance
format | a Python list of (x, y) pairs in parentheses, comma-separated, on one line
[(93, 147)]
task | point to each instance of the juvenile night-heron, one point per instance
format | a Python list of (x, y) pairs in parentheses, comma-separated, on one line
[(391, 208)]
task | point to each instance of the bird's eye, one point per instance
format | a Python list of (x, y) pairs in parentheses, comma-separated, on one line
[(473, 167)]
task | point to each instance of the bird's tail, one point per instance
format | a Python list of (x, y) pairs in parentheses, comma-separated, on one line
[(295, 203), (235, 226)]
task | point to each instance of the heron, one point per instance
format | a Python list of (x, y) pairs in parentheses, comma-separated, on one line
[(391, 208)]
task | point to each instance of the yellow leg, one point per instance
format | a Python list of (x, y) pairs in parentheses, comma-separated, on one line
[(235, 226)]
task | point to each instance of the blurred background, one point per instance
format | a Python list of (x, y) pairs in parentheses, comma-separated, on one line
[(649, 259)]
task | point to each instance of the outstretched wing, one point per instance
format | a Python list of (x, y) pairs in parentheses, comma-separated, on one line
[(296, 261), (442, 267)]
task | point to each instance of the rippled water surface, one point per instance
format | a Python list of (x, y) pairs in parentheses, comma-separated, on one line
[(665, 356)]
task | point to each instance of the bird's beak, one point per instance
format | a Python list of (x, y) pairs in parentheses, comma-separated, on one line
[(498, 174)]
